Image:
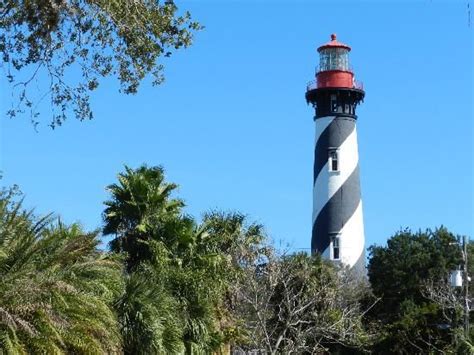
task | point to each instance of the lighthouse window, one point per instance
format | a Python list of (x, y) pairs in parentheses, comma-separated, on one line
[(333, 160), (333, 103), (334, 59), (336, 255)]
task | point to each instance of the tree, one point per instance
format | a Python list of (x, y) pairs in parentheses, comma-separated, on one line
[(67, 46), (56, 287), (141, 209), (236, 245), (450, 301), (231, 234), (183, 259), (301, 304), (147, 314), (398, 274)]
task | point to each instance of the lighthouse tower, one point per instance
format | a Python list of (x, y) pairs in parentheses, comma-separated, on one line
[(338, 228)]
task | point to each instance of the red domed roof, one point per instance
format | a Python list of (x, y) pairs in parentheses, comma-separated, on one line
[(334, 44)]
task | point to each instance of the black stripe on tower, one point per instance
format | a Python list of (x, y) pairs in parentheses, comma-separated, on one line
[(336, 212), (333, 136)]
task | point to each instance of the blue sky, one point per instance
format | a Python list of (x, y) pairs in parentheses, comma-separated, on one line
[(232, 128)]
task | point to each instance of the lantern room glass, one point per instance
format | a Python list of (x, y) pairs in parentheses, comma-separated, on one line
[(334, 59)]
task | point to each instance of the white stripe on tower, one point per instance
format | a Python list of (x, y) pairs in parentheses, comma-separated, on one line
[(352, 239)]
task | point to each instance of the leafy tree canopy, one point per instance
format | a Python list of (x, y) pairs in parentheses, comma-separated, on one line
[(409, 260), (69, 45), (399, 273)]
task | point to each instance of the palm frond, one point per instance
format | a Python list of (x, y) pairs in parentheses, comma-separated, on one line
[(56, 287)]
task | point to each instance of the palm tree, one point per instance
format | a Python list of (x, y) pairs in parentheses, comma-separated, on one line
[(141, 209), (230, 233), (171, 260), (56, 287), (241, 245), (147, 312)]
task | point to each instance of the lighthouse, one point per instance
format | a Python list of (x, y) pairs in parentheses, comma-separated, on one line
[(338, 227)]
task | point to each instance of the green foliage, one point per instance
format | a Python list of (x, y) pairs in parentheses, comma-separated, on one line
[(398, 274), (410, 259), (147, 314), (56, 288), (140, 210), (199, 288), (70, 45), (230, 234), (190, 265)]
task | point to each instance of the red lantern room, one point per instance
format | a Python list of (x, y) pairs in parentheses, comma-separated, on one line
[(334, 70), (335, 89)]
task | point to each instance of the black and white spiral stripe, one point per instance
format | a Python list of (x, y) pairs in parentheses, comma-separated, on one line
[(337, 205)]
